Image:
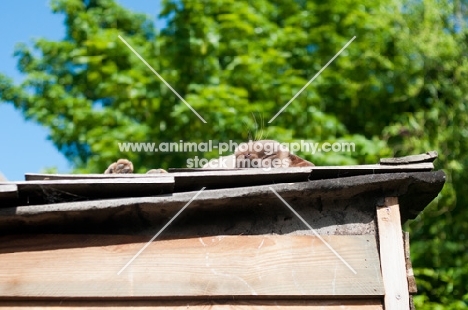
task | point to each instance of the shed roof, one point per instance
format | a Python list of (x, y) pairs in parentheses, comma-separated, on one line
[(74, 200)]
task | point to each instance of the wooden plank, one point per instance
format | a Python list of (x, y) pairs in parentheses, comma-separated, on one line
[(411, 159), (348, 171), (346, 304), (392, 255), (8, 195), (325, 170), (92, 176), (186, 181), (254, 177), (189, 173), (413, 289), (228, 178), (8, 191), (67, 266), (53, 191), (185, 172), (238, 178)]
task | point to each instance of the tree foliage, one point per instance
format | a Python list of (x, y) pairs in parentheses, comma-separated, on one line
[(400, 88)]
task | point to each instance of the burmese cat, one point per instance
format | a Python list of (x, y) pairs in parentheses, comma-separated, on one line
[(252, 154)]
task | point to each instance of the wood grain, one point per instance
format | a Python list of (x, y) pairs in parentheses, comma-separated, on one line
[(392, 255), (63, 266), (346, 304)]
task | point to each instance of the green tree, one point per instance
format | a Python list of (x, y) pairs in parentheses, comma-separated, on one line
[(399, 88)]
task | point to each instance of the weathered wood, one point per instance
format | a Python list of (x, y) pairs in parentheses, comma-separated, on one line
[(228, 178), (392, 255), (411, 304), (238, 178), (346, 304), (251, 177), (189, 173), (411, 159), (37, 192), (66, 266), (413, 289), (8, 191), (8, 195), (423, 187), (324, 169), (187, 181), (192, 172)]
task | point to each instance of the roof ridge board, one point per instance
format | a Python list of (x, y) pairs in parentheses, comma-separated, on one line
[(430, 156), (423, 166)]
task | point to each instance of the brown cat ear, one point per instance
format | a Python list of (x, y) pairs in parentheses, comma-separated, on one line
[(120, 166), (296, 161)]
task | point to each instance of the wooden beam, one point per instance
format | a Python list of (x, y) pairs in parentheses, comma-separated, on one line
[(53, 191), (392, 255), (325, 170), (191, 172), (181, 173), (346, 304), (8, 195), (187, 181), (268, 266), (195, 179), (8, 191), (411, 159)]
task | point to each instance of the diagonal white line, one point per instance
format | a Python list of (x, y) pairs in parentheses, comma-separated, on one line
[(313, 230), (311, 80), (161, 78), (160, 231)]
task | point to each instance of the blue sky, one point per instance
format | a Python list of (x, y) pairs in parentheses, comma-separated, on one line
[(24, 146)]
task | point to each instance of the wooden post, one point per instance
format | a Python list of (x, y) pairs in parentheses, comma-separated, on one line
[(392, 255)]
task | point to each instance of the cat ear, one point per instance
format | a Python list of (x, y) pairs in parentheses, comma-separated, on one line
[(296, 161), (120, 166)]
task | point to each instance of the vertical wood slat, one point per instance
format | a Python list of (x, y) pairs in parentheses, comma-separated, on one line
[(409, 270), (409, 267), (392, 255)]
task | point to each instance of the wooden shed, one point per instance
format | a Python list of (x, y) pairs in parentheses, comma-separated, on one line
[(296, 238)]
